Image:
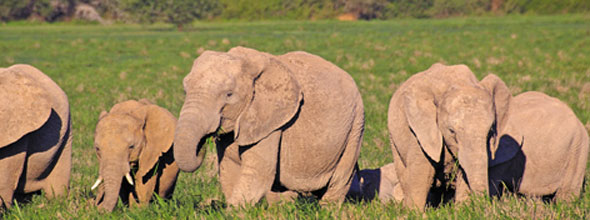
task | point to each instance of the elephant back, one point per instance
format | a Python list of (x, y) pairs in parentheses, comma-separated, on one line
[(24, 104)]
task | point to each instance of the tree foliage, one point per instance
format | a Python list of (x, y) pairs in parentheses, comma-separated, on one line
[(178, 12), (181, 12)]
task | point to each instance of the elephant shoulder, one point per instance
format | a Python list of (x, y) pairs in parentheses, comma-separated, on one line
[(25, 105)]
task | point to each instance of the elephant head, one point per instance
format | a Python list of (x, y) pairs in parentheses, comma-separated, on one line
[(464, 116), (133, 135), (243, 91)]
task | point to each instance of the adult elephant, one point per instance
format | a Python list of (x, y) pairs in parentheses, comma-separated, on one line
[(288, 123), (543, 150), (440, 122), (35, 139)]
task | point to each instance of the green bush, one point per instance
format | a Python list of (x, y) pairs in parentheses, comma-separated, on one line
[(178, 12), (408, 8), (279, 9), (446, 8)]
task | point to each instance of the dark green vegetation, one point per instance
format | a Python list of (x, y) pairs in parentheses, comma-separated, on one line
[(98, 66), (182, 12)]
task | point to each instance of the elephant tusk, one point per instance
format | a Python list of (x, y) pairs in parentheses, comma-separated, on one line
[(96, 183), (129, 179)]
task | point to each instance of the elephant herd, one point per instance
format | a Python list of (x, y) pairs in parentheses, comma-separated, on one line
[(292, 125)]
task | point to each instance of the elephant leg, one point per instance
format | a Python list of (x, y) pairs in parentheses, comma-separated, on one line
[(258, 171), (415, 179), (572, 181), (58, 182), (276, 197), (133, 201), (344, 173), (12, 160), (229, 169), (144, 190), (167, 180)]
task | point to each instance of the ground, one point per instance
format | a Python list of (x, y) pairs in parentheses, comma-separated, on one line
[(98, 66)]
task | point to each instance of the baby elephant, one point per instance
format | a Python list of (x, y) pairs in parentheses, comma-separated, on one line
[(134, 141), (543, 149)]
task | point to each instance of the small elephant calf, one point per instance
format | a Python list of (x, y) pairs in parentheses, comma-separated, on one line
[(134, 141)]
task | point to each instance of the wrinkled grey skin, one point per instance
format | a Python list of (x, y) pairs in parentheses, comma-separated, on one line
[(381, 183), (35, 136), (442, 117), (287, 124), (543, 149)]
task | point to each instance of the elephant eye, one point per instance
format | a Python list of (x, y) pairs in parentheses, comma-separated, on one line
[(452, 131), (229, 94), (132, 146)]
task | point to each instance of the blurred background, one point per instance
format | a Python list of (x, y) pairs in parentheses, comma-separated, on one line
[(183, 12)]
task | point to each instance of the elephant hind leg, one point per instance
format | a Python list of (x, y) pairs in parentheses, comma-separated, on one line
[(341, 180), (57, 182), (571, 184), (12, 161)]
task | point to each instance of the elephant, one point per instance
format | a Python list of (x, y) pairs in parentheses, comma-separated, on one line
[(542, 152), (35, 140), (285, 125), (134, 141), (381, 183), (441, 122)]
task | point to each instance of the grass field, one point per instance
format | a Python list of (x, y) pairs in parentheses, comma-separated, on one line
[(98, 66)]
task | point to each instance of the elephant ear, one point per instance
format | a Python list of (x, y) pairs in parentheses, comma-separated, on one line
[(159, 134), (501, 96), (420, 112), (276, 99), (24, 105)]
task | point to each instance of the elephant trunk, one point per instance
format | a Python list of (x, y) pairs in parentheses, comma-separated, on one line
[(194, 124), (473, 160), (113, 176)]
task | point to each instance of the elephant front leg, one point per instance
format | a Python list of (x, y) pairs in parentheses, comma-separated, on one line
[(416, 181), (12, 159), (144, 190), (258, 171)]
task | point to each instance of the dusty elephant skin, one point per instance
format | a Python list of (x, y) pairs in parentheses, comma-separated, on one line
[(285, 124), (134, 142), (543, 150), (35, 140), (440, 123)]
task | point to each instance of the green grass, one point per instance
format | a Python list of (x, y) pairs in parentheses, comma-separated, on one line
[(98, 66)]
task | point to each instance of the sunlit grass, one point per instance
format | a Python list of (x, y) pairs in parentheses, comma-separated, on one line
[(98, 66)]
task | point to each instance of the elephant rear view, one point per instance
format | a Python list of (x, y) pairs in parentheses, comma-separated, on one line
[(35, 138), (285, 124), (543, 149)]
